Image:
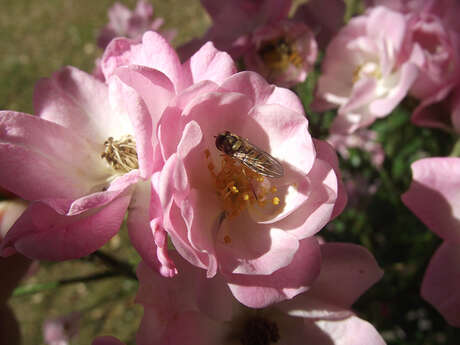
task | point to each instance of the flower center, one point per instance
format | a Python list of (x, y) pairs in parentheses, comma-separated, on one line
[(278, 54), (239, 187), (368, 69), (121, 154), (259, 331)]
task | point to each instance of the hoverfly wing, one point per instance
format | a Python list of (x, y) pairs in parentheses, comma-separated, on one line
[(261, 162)]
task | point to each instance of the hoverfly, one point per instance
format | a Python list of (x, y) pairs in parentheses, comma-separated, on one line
[(249, 155)]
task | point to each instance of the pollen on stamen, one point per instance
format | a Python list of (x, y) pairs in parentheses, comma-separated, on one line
[(121, 153), (274, 189), (275, 200), (237, 186)]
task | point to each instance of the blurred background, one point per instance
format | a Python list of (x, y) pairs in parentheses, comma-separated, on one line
[(39, 37)]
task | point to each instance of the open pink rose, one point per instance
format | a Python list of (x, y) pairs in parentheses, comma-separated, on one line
[(366, 70), (255, 230), (434, 197), (77, 162), (283, 52), (150, 71), (189, 306)]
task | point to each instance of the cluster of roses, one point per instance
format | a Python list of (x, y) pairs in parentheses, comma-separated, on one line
[(229, 256)]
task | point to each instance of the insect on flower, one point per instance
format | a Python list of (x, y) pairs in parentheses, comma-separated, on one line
[(251, 156)]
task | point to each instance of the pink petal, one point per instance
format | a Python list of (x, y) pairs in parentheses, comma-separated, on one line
[(349, 331), (245, 247), (362, 93), (193, 325), (325, 26), (154, 52), (326, 152), (408, 74), (155, 91), (435, 179), (95, 200), (140, 232), (440, 286), (40, 159), (43, 234), (259, 91), (288, 136), (76, 100), (317, 210), (256, 291), (208, 63), (349, 266)]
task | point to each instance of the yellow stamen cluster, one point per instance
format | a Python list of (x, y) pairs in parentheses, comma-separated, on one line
[(279, 54), (238, 186), (369, 69), (121, 154)]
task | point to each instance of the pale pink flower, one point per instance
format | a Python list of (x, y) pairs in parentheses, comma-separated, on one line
[(434, 197), (59, 331), (192, 307), (79, 161), (283, 52), (152, 70), (324, 17), (233, 22), (366, 71), (130, 24), (363, 139), (255, 230)]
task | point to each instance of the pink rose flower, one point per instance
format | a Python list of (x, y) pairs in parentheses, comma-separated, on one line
[(437, 180), (221, 216), (283, 53), (60, 330), (366, 70), (78, 162), (192, 307), (151, 70)]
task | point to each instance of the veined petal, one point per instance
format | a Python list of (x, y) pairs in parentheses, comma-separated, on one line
[(43, 234), (43, 160)]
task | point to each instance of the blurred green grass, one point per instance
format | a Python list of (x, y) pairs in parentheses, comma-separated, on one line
[(39, 37)]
